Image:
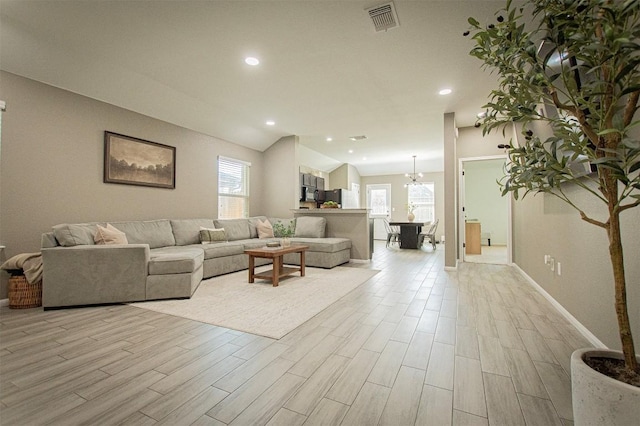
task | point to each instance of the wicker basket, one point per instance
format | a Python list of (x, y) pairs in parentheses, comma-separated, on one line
[(23, 295)]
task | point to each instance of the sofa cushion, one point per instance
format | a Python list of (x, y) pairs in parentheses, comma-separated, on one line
[(325, 245), (212, 236), (175, 260), (109, 235), (156, 233), (236, 229), (187, 231), (212, 251), (69, 235), (253, 222), (288, 223), (310, 227)]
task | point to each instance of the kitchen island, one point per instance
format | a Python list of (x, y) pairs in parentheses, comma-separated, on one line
[(354, 224)]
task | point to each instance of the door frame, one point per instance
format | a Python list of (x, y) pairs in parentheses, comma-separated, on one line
[(461, 202)]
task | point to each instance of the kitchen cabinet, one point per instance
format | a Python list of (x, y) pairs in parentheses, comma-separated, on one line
[(308, 180), (319, 183)]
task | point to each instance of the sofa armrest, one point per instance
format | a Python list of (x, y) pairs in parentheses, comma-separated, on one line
[(89, 275)]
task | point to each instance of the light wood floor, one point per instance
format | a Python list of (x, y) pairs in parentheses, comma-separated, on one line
[(494, 254), (413, 345)]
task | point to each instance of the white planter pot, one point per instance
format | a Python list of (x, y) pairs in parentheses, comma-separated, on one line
[(598, 399)]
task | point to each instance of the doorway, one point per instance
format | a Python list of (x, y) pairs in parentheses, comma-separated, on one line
[(485, 215), (379, 205)]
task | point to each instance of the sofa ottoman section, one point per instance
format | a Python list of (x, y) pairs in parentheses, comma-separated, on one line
[(322, 252), (174, 272)]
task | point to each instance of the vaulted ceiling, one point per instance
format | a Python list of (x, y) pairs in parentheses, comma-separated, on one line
[(324, 71)]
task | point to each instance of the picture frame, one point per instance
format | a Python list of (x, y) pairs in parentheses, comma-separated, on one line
[(133, 161)]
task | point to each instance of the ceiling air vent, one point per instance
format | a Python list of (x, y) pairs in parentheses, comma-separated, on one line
[(358, 138), (383, 16)]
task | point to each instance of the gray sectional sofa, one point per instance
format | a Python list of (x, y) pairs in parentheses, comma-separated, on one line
[(164, 259)]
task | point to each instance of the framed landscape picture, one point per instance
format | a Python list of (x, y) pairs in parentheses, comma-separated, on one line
[(133, 161)]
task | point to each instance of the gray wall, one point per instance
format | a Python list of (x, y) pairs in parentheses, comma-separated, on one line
[(399, 195), (281, 188), (354, 177), (544, 225), (52, 165), (339, 177), (471, 143), (344, 176), (451, 191)]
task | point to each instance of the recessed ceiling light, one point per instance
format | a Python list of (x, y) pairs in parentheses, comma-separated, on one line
[(350, 151), (251, 61), (444, 91), (270, 123), (364, 158), (329, 139)]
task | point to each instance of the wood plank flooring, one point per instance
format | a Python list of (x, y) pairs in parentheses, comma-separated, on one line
[(414, 345)]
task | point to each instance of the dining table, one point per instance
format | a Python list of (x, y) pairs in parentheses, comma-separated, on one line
[(409, 232)]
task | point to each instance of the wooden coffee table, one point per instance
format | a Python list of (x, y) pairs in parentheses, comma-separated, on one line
[(276, 254)]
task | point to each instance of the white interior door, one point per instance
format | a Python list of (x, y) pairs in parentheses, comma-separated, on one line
[(379, 205)]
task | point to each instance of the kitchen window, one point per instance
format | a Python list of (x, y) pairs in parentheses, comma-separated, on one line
[(233, 188)]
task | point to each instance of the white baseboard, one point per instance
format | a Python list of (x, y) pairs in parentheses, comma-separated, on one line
[(577, 324), (4, 302), (359, 261)]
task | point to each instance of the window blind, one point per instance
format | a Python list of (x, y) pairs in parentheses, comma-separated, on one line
[(233, 188)]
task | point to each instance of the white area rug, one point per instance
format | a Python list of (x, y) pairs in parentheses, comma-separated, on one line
[(259, 308)]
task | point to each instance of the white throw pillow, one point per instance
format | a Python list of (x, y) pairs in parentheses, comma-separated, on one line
[(109, 235), (265, 230)]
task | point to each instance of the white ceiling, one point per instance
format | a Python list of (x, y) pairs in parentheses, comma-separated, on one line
[(324, 71)]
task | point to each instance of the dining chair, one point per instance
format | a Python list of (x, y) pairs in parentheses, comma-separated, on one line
[(430, 235), (393, 235)]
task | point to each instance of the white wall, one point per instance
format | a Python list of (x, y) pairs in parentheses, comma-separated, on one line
[(483, 200)]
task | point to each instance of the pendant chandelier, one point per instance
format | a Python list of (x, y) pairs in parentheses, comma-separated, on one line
[(413, 176)]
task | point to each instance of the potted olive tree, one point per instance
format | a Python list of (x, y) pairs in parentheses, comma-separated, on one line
[(582, 58)]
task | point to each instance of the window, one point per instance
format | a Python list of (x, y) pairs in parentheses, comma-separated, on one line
[(233, 188), (422, 196)]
